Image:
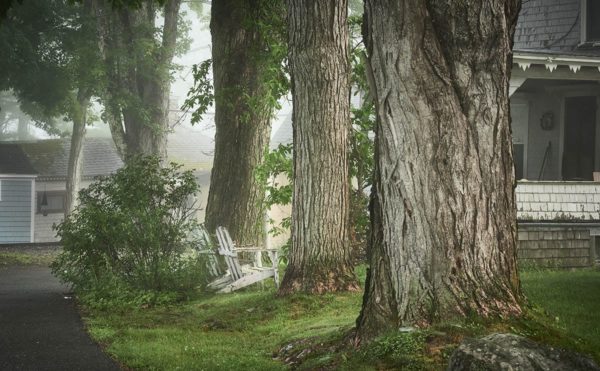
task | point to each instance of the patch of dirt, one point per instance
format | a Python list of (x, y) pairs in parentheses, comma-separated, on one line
[(296, 352)]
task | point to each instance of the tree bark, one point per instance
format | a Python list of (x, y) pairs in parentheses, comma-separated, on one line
[(138, 87), (320, 255), (443, 212), (242, 129), (75, 166)]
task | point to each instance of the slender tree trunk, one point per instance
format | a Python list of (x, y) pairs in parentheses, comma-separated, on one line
[(75, 166), (443, 212), (23, 128), (242, 129), (107, 45), (137, 97), (320, 255)]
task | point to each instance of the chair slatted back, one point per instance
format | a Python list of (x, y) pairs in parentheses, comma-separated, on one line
[(229, 254), (204, 247)]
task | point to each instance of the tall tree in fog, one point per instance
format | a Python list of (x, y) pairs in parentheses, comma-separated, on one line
[(49, 62), (443, 218), (137, 54), (319, 259), (247, 56)]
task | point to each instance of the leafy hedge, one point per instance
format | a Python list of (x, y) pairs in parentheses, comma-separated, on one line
[(129, 234)]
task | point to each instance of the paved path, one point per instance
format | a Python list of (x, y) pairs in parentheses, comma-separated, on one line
[(39, 328)]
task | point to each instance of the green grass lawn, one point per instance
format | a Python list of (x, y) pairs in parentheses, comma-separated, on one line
[(571, 298), (245, 330), (43, 258), (234, 331)]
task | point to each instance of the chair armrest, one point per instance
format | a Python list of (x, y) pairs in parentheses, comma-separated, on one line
[(227, 253), (253, 249), (205, 252)]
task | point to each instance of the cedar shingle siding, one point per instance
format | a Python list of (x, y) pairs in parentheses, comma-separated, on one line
[(15, 211), (548, 24)]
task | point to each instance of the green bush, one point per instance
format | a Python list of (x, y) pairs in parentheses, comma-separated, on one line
[(129, 235)]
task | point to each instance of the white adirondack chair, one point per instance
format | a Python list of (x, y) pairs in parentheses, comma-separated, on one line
[(202, 243), (239, 276)]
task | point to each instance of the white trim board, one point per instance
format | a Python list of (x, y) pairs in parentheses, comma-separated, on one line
[(22, 176)]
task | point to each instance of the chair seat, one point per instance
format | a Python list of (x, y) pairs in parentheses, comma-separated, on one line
[(238, 275)]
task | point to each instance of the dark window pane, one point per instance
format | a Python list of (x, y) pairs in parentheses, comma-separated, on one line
[(519, 157), (593, 20)]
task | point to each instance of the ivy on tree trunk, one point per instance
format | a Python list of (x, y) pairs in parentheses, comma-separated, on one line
[(247, 84)]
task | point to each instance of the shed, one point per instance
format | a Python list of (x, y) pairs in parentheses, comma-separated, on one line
[(17, 196)]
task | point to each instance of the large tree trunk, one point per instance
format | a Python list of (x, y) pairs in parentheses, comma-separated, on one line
[(443, 213), (320, 255), (137, 97), (75, 166), (242, 130)]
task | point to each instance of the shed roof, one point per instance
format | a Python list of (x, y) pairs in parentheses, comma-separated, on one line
[(50, 158), (14, 161)]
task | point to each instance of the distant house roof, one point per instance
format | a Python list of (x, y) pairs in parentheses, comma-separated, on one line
[(550, 27), (283, 135), (14, 161), (190, 148), (49, 158)]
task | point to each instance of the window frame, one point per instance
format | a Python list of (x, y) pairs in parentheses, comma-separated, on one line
[(39, 196), (585, 40)]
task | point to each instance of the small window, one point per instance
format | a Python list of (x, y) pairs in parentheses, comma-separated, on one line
[(590, 21), (519, 158), (593, 20), (50, 202)]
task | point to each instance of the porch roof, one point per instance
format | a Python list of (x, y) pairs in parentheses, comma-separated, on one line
[(551, 59), (547, 64)]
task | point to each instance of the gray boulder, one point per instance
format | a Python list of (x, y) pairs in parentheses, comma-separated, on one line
[(513, 352)]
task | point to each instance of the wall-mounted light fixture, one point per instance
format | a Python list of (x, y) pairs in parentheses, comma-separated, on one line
[(547, 120)]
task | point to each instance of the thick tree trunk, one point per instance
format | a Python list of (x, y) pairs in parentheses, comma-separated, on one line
[(242, 129), (320, 255), (443, 213), (137, 97), (75, 166)]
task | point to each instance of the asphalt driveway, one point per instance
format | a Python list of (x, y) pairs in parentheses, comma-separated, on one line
[(40, 328)]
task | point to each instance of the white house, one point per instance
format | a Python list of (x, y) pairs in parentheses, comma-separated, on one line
[(555, 95)]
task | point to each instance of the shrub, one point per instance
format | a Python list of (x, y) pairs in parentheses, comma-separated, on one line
[(130, 231)]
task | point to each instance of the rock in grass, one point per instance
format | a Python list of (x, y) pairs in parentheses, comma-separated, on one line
[(513, 352)]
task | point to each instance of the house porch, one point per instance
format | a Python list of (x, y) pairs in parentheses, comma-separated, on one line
[(558, 223)]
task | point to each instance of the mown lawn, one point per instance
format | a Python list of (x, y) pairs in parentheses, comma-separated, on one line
[(246, 330), (571, 298), (43, 258), (236, 331)]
